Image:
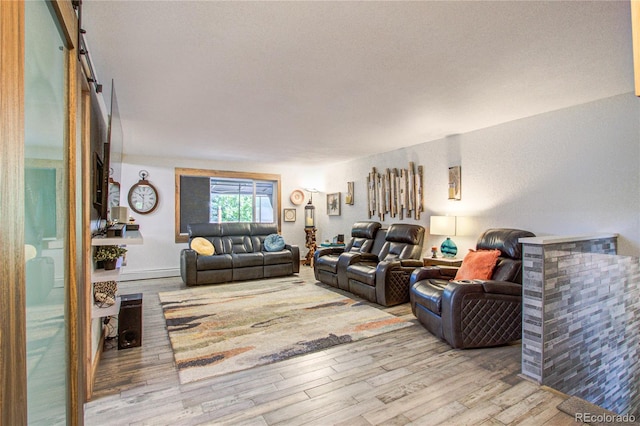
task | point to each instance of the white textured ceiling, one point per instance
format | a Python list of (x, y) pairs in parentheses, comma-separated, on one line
[(328, 81)]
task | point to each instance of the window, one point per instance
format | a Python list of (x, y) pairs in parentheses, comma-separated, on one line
[(241, 200), (220, 196)]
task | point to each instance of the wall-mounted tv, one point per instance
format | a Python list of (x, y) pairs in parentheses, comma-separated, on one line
[(106, 147)]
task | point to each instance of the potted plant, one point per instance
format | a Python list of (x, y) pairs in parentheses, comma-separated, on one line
[(109, 255)]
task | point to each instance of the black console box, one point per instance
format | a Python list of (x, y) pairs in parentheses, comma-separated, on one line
[(130, 321), (117, 230)]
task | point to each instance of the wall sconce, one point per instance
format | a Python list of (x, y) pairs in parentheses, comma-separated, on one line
[(444, 225)]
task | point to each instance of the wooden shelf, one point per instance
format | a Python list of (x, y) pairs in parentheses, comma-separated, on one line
[(97, 312), (130, 238), (99, 275)]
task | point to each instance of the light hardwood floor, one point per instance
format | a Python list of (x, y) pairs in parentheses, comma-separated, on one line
[(404, 377)]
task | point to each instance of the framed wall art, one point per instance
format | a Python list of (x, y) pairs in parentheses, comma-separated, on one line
[(396, 192), (333, 204), (289, 215), (455, 183), (348, 199)]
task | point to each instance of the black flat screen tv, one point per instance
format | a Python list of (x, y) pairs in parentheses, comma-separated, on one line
[(106, 144)]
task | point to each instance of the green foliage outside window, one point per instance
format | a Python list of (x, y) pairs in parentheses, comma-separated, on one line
[(232, 208)]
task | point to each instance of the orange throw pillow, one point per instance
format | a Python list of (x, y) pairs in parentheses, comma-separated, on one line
[(478, 265)]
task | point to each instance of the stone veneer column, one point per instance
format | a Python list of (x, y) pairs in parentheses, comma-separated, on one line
[(581, 319)]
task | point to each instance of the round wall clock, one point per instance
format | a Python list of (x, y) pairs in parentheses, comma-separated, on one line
[(143, 197), (297, 197), (114, 193)]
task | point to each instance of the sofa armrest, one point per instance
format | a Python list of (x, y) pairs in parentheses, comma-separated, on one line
[(368, 257), (393, 281), (433, 272), (326, 251), (188, 266), (412, 263), (347, 258), (502, 287), (468, 304), (295, 254)]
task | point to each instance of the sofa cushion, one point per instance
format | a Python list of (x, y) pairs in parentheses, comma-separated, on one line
[(504, 239), (402, 241), (218, 261), (360, 245), (328, 263), (277, 257), (237, 244), (363, 272), (244, 260), (428, 293), (478, 265), (508, 270), (204, 230), (274, 242), (202, 246), (263, 229)]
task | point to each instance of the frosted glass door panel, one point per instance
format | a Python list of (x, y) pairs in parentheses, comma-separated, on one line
[(45, 216)]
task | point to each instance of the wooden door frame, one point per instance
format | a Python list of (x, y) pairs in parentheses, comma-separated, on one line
[(13, 376), (13, 339)]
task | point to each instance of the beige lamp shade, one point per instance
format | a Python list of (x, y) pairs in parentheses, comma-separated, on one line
[(442, 225)]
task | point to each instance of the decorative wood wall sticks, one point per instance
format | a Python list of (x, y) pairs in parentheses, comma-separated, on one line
[(399, 193)]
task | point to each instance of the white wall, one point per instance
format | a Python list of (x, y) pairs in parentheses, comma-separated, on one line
[(159, 256), (572, 171)]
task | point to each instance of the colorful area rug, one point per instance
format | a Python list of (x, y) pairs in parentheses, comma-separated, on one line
[(219, 329)]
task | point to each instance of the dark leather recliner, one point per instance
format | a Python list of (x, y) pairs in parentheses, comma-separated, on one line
[(325, 263), (383, 277), (474, 313)]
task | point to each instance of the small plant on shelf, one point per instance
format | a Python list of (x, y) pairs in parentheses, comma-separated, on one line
[(108, 255)]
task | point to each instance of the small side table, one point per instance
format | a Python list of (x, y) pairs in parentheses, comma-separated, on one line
[(441, 261)]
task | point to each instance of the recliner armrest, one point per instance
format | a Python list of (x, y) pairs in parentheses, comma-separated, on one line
[(368, 257), (328, 250), (413, 263), (502, 287), (489, 286), (433, 272), (393, 280), (295, 254), (325, 251), (188, 266), (347, 258)]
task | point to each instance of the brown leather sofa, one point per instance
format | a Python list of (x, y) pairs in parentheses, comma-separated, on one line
[(474, 313), (382, 276), (325, 263), (239, 254)]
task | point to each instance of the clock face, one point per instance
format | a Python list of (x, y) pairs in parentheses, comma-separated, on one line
[(114, 194), (143, 198)]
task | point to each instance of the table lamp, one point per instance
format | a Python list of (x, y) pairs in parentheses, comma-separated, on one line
[(444, 225)]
